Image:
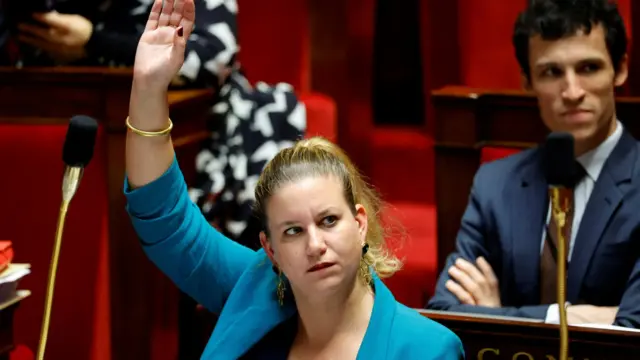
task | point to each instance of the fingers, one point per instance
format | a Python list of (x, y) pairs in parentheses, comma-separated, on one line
[(39, 43), (180, 42), (188, 17), (37, 31), (154, 16), (460, 293), (487, 271), (464, 280), (176, 15), (471, 270), (165, 14), (53, 19)]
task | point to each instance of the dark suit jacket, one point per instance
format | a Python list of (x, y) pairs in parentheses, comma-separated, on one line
[(504, 222)]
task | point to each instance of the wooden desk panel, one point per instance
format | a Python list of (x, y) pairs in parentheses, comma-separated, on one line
[(7, 311), (496, 338), (467, 119)]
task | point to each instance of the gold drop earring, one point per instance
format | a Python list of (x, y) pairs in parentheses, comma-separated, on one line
[(280, 285), (365, 272)]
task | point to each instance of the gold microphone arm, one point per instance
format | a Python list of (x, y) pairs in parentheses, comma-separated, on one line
[(70, 184), (559, 214)]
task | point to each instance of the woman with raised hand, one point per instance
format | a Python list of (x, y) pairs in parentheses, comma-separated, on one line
[(314, 289)]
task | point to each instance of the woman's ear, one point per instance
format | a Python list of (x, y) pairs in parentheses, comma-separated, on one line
[(362, 221), (266, 245)]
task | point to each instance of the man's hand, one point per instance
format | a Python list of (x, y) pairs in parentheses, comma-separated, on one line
[(474, 285), (62, 36), (589, 314)]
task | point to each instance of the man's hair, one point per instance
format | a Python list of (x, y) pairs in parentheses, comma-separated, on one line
[(557, 19)]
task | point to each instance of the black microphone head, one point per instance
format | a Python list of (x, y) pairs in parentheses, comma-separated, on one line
[(559, 160), (80, 141)]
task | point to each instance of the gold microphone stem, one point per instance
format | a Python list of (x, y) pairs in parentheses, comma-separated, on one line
[(564, 330), (52, 279), (562, 278), (70, 182)]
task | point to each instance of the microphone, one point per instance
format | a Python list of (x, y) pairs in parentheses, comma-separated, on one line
[(560, 170), (76, 154)]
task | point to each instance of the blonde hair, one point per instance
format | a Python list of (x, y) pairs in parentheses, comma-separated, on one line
[(319, 157)]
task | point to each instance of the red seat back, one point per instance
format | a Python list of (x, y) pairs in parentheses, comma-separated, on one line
[(491, 153)]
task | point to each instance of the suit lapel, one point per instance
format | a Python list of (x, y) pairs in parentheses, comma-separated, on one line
[(250, 312), (605, 198), (529, 202)]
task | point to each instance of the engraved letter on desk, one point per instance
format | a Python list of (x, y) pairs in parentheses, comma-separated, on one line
[(494, 354)]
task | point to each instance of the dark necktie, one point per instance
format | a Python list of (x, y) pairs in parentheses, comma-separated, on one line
[(549, 257)]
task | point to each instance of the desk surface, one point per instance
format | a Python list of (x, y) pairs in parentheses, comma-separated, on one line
[(21, 295), (457, 91), (512, 338)]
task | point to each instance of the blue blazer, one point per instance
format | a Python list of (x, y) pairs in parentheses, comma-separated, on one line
[(504, 221), (239, 284)]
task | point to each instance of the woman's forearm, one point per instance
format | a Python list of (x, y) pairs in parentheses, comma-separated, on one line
[(147, 158)]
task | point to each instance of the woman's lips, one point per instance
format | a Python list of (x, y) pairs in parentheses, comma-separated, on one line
[(320, 266)]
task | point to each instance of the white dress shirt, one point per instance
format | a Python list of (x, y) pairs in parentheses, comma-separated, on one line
[(592, 162)]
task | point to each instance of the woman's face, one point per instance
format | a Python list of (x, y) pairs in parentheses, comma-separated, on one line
[(315, 239)]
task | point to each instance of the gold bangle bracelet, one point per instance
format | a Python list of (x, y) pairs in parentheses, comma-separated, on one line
[(150, 133)]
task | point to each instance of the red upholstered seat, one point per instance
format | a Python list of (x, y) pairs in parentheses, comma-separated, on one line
[(402, 170), (414, 284), (274, 37), (322, 118), (31, 158), (491, 153), (21, 352)]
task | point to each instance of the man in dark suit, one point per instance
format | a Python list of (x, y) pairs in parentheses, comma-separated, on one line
[(572, 55)]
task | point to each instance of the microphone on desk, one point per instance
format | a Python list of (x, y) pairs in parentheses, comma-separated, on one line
[(560, 169), (76, 154)]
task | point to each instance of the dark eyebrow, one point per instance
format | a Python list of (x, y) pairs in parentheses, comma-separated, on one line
[(324, 213), (546, 65), (328, 211), (589, 60), (594, 60)]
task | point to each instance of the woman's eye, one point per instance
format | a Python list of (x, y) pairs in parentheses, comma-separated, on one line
[(293, 231), (329, 220)]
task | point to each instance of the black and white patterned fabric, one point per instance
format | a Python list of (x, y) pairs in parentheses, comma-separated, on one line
[(250, 125), (259, 122)]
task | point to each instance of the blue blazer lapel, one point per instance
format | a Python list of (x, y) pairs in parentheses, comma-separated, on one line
[(529, 201), (606, 197), (375, 344), (251, 311)]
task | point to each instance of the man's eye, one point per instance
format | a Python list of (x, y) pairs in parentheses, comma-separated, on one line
[(552, 72), (589, 68)]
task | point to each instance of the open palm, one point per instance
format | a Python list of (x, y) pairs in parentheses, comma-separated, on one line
[(160, 52)]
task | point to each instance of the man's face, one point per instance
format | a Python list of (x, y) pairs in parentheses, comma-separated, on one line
[(574, 80)]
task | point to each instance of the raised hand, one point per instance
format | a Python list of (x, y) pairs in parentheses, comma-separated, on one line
[(161, 49)]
